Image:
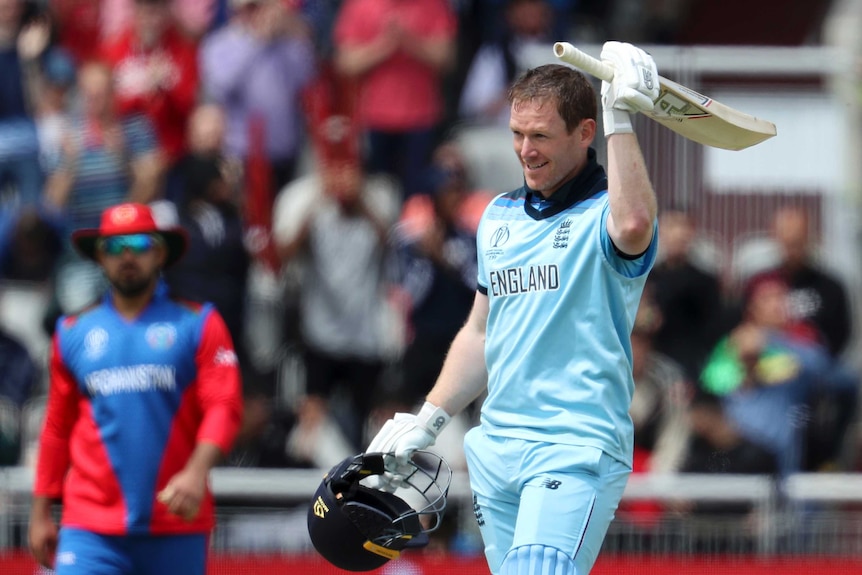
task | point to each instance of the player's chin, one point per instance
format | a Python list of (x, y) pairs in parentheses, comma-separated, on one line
[(537, 177), (535, 182), (131, 285)]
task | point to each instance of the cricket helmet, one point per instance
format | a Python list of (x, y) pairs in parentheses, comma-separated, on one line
[(359, 528)]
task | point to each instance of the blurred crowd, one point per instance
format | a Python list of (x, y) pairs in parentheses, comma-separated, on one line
[(307, 147)]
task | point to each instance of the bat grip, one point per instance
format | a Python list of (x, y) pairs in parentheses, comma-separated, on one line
[(592, 66)]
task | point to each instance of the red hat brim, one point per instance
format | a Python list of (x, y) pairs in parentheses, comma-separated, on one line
[(176, 241)]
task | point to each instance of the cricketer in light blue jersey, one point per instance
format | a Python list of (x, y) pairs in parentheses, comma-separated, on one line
[(562, 262), (562, 303)]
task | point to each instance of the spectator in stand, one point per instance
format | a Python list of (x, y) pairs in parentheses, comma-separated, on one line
[(337, 221), (206, 141), (819, 299), (19, 381), (105, 160), (30, 246), (435, 271), (23, 46), (83, 25), (321, 14), (400, 51), (53, 105), (767, 368), (688, 297), (194, 18), (500, 60), (78, 26), (658, 409), (434, 281), (661, 396), (215, 267), (156, 73), (48, 75), (816, 296), (256, 68), (716, 446)]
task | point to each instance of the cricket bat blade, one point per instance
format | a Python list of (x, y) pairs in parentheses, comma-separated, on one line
[(683, 110)]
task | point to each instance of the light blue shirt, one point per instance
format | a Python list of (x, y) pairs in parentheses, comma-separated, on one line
[(562, 304)]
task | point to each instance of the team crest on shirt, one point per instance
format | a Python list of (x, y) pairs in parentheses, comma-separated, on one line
[(161, 335), (95, 343), (561, 237)]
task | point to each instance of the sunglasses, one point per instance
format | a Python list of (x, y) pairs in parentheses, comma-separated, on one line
[(135, 243)]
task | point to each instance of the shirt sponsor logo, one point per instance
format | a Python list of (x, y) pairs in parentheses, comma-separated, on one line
[(224, 356), (521, 280), (161, 335), (131, 379), (95, 343)]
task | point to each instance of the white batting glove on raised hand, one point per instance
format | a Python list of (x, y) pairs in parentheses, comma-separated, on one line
[(400, 437), (634, 88)]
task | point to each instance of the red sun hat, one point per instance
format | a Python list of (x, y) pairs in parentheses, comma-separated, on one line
[(125, 219)]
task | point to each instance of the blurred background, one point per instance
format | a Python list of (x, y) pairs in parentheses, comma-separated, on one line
[(330, 160)]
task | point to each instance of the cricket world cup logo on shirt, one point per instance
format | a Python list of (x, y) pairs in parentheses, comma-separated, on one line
[(497, 239), (95, 343)]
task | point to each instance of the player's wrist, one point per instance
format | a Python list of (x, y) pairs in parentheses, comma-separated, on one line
[(433, 418), (616, 121)]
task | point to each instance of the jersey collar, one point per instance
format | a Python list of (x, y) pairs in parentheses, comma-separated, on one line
[(589, 181)]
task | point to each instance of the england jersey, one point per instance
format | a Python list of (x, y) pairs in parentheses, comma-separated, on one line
[(128, 401), (562, 304)]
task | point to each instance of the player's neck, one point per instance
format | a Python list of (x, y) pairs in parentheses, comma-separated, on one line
[(131, 306)]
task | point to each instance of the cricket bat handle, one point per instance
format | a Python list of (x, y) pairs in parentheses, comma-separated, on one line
[(592, 66)]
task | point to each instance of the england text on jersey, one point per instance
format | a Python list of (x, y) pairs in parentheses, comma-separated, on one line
[(520, 280)]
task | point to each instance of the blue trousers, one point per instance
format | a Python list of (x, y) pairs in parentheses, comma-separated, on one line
[(82, 552), (534, 493)]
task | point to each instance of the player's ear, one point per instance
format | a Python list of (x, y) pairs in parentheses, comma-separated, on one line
[(587, 131), (162, 254)]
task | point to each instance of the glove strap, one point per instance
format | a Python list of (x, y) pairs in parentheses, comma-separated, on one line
[(617, 122), (433, 418)]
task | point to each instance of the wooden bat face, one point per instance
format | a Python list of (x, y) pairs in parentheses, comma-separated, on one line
[(706, 121), (686, 112)]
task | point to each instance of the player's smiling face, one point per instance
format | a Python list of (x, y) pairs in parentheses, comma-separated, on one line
[(549, 154)]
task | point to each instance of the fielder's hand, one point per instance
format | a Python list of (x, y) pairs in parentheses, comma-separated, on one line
[(634, 88), (401, 436)]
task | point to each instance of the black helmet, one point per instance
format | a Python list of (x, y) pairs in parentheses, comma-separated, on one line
[(359, 528)]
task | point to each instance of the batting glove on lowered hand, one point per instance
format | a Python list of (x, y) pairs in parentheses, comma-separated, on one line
[(400, 437), (634, 88)]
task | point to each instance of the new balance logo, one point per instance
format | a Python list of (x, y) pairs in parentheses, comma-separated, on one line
[(551, 484)]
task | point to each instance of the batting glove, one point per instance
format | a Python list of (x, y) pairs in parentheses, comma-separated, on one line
[(400, 437), (634, 87)]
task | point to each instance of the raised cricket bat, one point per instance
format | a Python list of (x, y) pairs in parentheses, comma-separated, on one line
[(686, 112)]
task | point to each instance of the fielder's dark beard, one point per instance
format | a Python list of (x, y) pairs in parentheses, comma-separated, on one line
[(132, 288)]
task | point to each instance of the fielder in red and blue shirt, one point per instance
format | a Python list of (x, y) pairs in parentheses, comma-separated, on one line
[(144, 398)]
